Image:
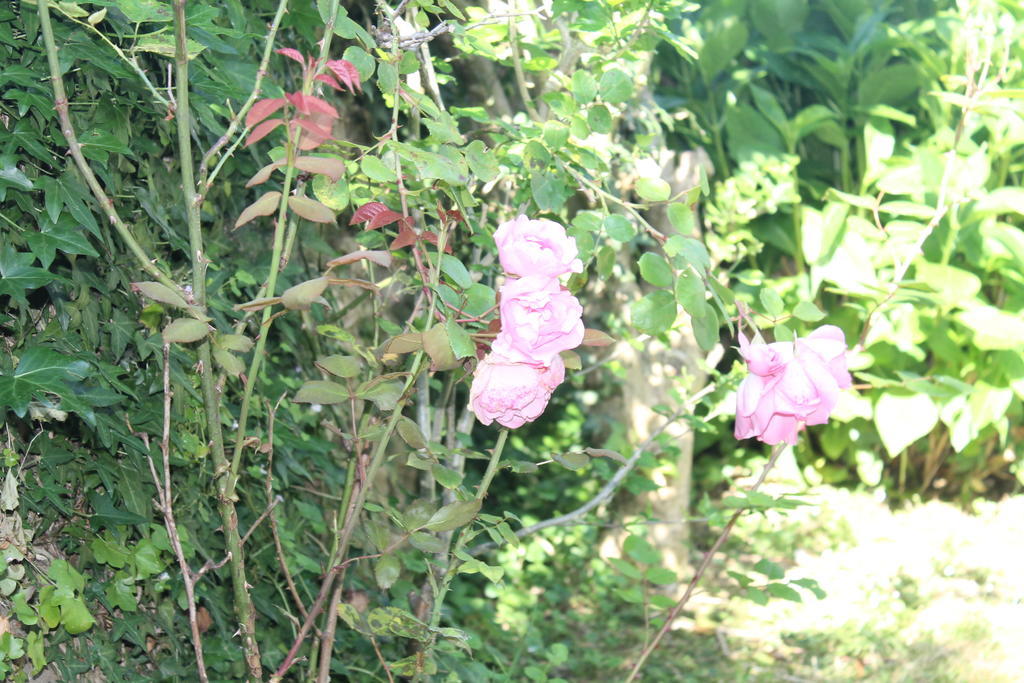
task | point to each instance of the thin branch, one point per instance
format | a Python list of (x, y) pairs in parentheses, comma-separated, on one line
[(166, 501), (268, 487), (517, 65), (674, 612), (67, 129), (205, 178)]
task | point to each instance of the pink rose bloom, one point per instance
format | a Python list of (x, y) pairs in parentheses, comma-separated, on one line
[(539, 320), (512, 393), (536, 247), (791, 385)]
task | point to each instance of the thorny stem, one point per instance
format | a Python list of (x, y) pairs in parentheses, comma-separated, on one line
[(67, 129), (244, 609), (702, 568), (166, 500)]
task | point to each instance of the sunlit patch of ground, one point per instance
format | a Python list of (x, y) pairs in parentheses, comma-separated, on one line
[(929, 593)]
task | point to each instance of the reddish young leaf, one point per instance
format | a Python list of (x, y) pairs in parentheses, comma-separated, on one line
[(264, 206), (597, 338), (293, 54), (331, 167), (405, 238), (307, 104), (385, 218), (263, 109), (431, 237), (263, 175), (329, 80), (261, 131), (314, 130), (367, 211), (311, 209), (346, 72)]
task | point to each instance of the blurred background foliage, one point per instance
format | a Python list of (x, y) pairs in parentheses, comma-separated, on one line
[(826, 134)]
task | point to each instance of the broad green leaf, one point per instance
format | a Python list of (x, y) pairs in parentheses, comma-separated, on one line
[(453, 515), (340, 366), (18, 275), (302, 295), (770, 569), (185, 331), (572, 461), (437, 345), (771, 302), (616, 86), (446, 477), (482, 161), (656, 270), (653, 189), (54, 237), (332, 194), (161, 293), (619, 228), (808, 312), (456, 271), (410, 433), (781, 590), (462, 344), (654, 313), (322, 392), (902, 419), (384, 394), (40, 371), (705, 327), (375, 169), (599, 119), (427, 543), (386, 571), (640, 550), (584, 86), (660, 576), (991, 328)]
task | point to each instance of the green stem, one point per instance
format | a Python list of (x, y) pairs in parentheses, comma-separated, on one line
[(481, 492), (244, 609)]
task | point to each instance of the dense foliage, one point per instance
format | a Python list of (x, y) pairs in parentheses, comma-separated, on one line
[(237, 352)]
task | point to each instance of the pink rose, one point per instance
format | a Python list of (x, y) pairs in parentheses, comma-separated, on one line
[(539, 319), (791, 385), (536, 247), (512, 393)]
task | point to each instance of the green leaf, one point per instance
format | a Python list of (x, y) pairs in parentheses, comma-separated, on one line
[(332, 194), (991, 328), (161, 293), (618, 227), (66, 576), (456, 271), (705, 327), (448, 478), (384, 394), (453, 515), (375, 169), (17, 275), (75, 617), (322, 392), (54, 237), (185, 331), (682, 218), (628, 570), (660, 576), (341, 366), (387, 571), (410, 433), (902, 419), (690, 292), (572, 461), (105, 514), (654, 313), (616, 86), (599, 119), (549, 190), (437, 345), (770, 569), (640, 550), (808, 312), (756, 595), (40, 371), (653, 189), (427, 543), (482, 161), (301, 296), (584, 86), (772, 303), (656, 270), (784, 591)]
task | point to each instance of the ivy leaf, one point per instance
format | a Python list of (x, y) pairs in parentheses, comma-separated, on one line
[(52, 237), (18, 275), (40, 371)]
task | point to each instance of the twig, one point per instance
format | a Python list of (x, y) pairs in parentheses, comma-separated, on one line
[(674, 612), (383, 662), (269, 488), (259, 520), (68, 130), (610, 487), (517, 65), (167, 509), (206, 178)]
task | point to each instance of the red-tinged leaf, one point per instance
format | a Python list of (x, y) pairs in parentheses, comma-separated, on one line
[(307, 104), (261, 131), (313, 129), (597, 338), (431, 237), (346, 72), (385, 218), (329, 80), (331, 167), (262, 110), (404, 239), (367, 211), (311, 209), (381, 258), (293, 54), (264, 206), (263, 175)]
